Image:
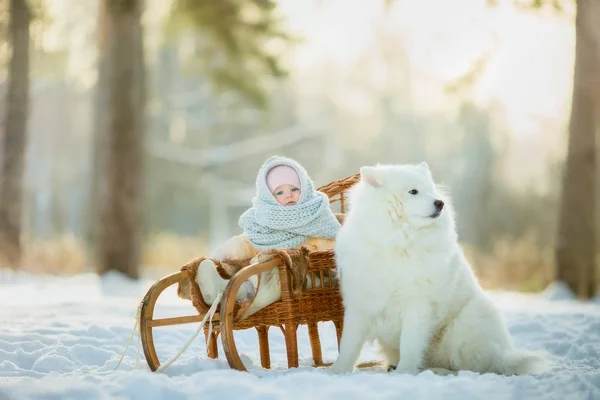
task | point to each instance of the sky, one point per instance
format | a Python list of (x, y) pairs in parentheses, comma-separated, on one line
[(531, 54)]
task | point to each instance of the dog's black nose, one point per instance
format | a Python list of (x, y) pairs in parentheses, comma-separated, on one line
[(438, 204)]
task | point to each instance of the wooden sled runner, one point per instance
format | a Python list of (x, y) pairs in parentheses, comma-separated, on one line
[(320, 301)]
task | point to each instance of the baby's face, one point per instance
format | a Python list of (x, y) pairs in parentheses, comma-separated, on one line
[(287, 195)]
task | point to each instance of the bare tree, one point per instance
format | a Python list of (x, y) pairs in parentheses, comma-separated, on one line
[(99, 135), (576, 244), (120, 223), (15, 137)]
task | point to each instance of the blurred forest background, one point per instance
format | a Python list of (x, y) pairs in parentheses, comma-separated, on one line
[(132, 130)]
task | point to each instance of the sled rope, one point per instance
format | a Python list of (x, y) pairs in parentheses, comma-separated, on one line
[(137, 322), (208, 317)]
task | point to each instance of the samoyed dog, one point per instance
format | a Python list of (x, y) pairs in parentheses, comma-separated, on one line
[(406, 284)]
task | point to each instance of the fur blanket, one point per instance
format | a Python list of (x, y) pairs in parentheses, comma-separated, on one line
[(295, 262)]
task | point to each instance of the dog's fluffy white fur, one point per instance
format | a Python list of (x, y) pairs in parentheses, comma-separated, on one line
[(406, 283)]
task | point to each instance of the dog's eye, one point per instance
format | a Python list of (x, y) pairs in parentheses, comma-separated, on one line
[(413, 191)]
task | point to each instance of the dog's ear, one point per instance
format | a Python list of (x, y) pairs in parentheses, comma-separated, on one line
[(425, 169), (372, 176)]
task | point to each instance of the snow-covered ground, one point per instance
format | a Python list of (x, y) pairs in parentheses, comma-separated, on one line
[(61, 338)]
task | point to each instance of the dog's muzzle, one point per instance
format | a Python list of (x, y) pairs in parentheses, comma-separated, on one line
[(439, 206)]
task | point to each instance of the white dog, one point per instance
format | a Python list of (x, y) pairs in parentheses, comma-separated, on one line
[(405, 283)]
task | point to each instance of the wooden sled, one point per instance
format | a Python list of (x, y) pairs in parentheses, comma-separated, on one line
[(320, 303)]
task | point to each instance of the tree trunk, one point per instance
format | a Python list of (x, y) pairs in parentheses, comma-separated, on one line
[(576, 245), (120, 224), (99, 138), (15, 139)]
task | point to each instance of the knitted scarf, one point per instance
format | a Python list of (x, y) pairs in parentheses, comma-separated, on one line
[(269, 225)]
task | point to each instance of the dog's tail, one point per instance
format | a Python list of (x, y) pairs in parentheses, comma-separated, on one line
[(523, 362)]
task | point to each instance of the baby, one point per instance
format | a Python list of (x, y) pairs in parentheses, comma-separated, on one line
[(287, 213)]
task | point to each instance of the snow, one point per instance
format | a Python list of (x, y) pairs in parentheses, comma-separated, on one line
[(61, 338)]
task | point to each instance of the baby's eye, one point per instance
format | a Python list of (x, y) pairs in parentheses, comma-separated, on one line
[(295, 190), (413, 191), (280, 193)]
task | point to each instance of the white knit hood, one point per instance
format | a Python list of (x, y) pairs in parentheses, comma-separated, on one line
[(270, 225)]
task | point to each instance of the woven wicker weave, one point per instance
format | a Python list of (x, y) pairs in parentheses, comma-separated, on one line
[(321, 302)]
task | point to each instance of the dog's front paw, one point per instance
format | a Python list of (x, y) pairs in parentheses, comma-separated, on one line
[(407, 369), (338, 368)]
